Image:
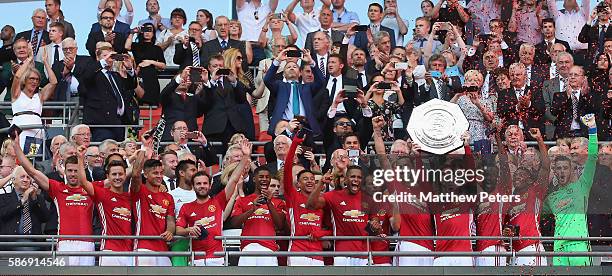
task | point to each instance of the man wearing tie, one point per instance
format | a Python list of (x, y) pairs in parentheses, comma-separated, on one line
[(201, 151), (37, 36), (68, 71), (375, 14), (594, 32), (54, 49), (102, 96), (189, 52), (322, 48), (568, 106), (564, 63), (326, 19), (222, 43), (293, 98), (22, 52), (422, 28)]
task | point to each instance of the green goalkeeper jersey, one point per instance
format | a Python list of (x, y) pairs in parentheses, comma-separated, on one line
[(569, 203)]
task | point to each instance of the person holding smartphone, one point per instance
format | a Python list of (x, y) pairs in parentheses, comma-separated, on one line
[(388, 107), (150, 60)]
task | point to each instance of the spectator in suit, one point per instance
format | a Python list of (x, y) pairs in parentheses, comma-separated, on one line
[(49, 165), (68, 72), (281, 147), (21, 49), (275, 26), (564, 63), (202, 151), (595, 35), (116, 6), (543, 49), (520, 105), (223, 42), (325, 19), (222, 98), (266, 100), (375, 14), (80, 135), (206, 19), (23, 210), (54, 13), (437, 87), (108, 30), (169, 160), (149, 61), (160, 23), (568, 106), (107, 148), (568, 23), (181, 100), (172, 36), (231, 158), (190, 52), (322, 46), (103, 93), (536, 74), (292, 97), (93, 163), (54, 49), (38, 35), (7, 35), (490, 62), (342, 17), (421, 32)]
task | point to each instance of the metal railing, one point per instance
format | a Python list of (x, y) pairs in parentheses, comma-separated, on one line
[(53, 240)]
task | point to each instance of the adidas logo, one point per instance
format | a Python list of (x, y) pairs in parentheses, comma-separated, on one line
[(193, 214), (114, 199), (343, 203)]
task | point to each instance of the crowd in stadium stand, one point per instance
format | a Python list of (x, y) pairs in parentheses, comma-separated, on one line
[(323, 89)]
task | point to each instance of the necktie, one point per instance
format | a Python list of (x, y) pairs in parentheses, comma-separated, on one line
[(574, 106), (361, 79), (556, 72), (27, 220), (56, 54), (332, 93), (439, 88), (602, 39), (281, 165), (196, 54), (171, 182), (548, 46), (223, 44), (528, 75), (322, 66), (34, 42), (116, 92), (296, 98), (519, 92), (421, 59)]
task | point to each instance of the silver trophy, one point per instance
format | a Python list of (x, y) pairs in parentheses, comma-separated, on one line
[(437, 126)]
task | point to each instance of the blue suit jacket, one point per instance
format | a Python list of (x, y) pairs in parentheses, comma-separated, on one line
[(120, 27), (282, 91), (361, 39)]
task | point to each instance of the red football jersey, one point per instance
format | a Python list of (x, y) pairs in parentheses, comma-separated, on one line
[(416, 215), (490, 217), (151, 212), (384, 217), (74, 208), (348, 219), (115, 217), (260, 222), (526, 215), (208, 215), (453, 219)]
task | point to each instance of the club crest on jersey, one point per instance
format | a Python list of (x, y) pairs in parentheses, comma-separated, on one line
[(343, 203), (122, 211), (205, 221), (166, 202), (261, 211), (353, 213), (310, 217), (212, 208), (76, 197)]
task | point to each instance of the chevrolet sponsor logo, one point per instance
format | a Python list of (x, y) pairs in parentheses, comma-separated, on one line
[(205, 221), (353, 213), (310, 217), (158, 209), (122, 211), (261, 211), (76, 197)]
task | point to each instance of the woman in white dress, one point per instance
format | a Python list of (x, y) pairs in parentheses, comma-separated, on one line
[(27, 100), (168, 38)]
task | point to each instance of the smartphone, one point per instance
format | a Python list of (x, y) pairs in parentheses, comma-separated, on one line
[(306, 148), (195, 74), (223, 72), (146, 29), (294, 53), (383, 85), (441, 33), (300, 119), (361, 28), (468, 89), (118, 57), (191, 135), (278, 16), (203, 232), (401, 65), (353, 153), (436, 74), (350, 91)]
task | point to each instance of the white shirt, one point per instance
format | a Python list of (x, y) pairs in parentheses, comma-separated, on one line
[(569, 24), (391, 23), (250, 26), (485, 85), (288, 114), (552, 70), (339, 86), (167, 180), (121, 110), (169, 52), (306, 23), (181, 197)]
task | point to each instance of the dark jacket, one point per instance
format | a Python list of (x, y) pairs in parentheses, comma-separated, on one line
[(11, 210)]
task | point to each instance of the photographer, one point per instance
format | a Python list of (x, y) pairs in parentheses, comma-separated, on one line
[(150, 60), (592, 31), (389, 107)]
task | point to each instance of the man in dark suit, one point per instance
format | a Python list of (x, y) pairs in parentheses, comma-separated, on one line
[(536, 74), (544, 48), (596, 35), (520, 105), (21, 50), (67, 72), (201, 152), (222, 43), (435, 87), (553, 86), (107, 29), (375, 14), (326, 19), (7, 35), (281, 147), (190, 52), (38, 35), (293, 98), (53, 8), (103, 94), (222, 97), (181, 101), (568, 106), (24, 209)]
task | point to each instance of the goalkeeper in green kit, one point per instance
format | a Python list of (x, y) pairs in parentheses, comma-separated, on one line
[(569, 201)]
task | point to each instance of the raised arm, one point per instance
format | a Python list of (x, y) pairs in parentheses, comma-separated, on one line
[(128, 42), (246, 148), (585, 9), (137, 166), (512, 25), (289, 10), (552, 8), (273, 5), (290, 190), (16, 88), (435, 12), (81, 171), (38, 176), (545, 163), (293, 33), (315, 200), (49, 89)]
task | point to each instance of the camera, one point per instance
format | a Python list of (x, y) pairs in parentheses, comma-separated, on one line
[(383, 85), (223, 72), (191, 135), (118, 57), (294, 53), (350, 91), (361, 28), (145, 29)]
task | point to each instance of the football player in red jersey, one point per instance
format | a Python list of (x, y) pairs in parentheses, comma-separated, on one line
[(203, 218), (348, 215), (302, 221), (74, 205), (154, 210), (114, 209), (259, 214)]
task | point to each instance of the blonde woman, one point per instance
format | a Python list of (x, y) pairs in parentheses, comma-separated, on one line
[(27, 99), (233, 60), (478, 114), (276, 25)]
